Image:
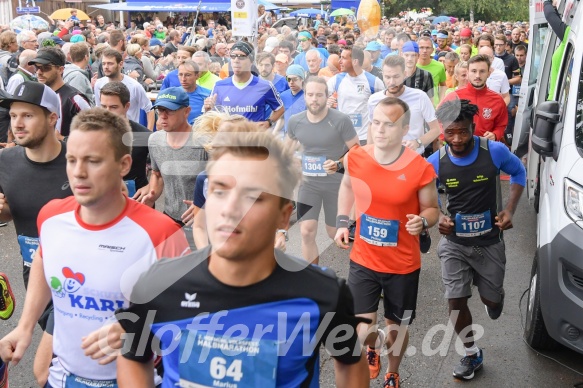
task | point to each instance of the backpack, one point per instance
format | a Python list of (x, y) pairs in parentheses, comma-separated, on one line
[(370, 78)]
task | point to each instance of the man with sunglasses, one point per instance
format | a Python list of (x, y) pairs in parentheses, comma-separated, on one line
[(176, 159), (305, 39), (293, 98), (245, 93), (50, 64)]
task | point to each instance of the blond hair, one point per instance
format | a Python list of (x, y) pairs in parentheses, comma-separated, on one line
[(133, 49), (207, 125), (246, 139), (99, 119)]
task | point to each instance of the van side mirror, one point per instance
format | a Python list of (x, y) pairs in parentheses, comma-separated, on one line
[(545, 120)]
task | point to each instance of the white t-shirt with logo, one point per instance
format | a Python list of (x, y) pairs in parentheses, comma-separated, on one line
[(353, 95), (85, 267), (420, 106)]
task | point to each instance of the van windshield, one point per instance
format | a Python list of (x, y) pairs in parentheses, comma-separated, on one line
[(579, 116)]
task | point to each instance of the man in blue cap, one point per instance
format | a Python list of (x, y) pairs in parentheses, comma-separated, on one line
[(173, 147), (293, 98), (306, 44), (374, 48)]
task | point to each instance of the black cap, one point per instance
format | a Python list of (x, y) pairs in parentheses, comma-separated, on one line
[(47, 57), (33, 93)]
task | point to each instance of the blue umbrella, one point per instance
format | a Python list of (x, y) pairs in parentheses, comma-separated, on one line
[(28, 22), (441, 19), (307, 13)]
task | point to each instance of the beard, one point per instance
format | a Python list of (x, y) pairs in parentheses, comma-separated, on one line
[(36, 141), (317, 109)]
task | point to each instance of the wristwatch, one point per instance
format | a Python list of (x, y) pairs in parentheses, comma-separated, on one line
[(339, 166), (284, 232), (419, 142), (270, 122), (425, 223)]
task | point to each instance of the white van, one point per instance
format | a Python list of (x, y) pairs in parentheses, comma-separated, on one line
[(549, 130)]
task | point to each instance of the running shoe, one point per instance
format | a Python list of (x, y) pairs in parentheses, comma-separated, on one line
[(391, 380), (468, 365), (6, 298), (3, 224), (496, 312), (374, 362)]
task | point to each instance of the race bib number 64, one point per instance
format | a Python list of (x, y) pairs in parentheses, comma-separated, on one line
[(215, 361)]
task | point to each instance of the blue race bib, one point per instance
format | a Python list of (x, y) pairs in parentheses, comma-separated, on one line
[(73, 381), (515, 90), (472, 225), (131, 185), (214, 361), (356, 120), (379, 232), (313, 165), (28, 247)]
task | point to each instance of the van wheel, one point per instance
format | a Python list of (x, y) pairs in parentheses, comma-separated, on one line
[(535, 331)]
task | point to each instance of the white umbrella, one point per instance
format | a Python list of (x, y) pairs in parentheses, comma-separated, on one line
[(28, 22)]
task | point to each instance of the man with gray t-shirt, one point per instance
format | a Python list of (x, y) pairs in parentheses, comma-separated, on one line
[(325, 135), (176, 159)]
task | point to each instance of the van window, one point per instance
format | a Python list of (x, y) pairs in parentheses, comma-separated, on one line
[(538, 41), (579, 116), (564, 84)]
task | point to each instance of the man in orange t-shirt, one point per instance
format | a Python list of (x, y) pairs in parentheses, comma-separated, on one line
[(393, 189)]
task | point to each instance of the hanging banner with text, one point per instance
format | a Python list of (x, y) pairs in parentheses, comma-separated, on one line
[(244, 17)]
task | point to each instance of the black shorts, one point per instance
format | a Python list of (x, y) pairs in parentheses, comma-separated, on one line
[(400, 292), (311, 197)]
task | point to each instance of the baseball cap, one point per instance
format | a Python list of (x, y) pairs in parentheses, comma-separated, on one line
[(47, 57), (342, 41), (373, 46), (271, 43), (172, 98), (426, 33), (410, 47), (466, 33), (296, 70), (281, 58), (507, 32), (434, 32), (33, 93), (155, 42)]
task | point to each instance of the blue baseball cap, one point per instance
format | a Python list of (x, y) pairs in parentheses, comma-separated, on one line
[(410, 47), (434, 32), (155, 42), (172, 98), (373, 46), (305, 34)]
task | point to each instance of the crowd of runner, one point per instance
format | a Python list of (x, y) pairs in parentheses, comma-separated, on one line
[(98, 122)]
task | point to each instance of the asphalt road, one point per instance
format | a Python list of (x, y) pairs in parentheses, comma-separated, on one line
[(508, 362)]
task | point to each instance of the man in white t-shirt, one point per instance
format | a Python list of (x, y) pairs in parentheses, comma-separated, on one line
[(497, 81), (90, 270), (350, 90), (420, 105), (112, 62)]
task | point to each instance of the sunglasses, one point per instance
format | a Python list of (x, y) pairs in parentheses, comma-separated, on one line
[(44, 68), (293, 79), (303, 39), (165, 111), (238, 56)]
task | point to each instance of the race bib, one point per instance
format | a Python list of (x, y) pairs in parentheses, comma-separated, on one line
[(515, 90), (472, 225), (131, 185), (379, 232), (356, 120), (313, 165), (213, 361), (73, 381), (28, 247)]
